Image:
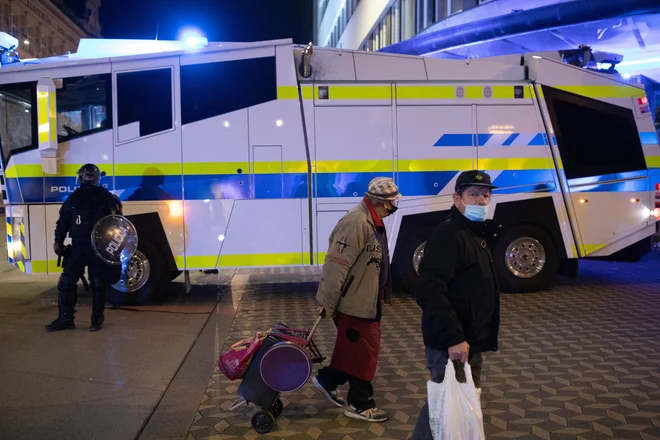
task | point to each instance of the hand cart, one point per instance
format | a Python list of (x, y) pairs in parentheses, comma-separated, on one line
[(282, 364)]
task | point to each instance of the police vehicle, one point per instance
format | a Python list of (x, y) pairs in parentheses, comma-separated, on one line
[(237, 155)]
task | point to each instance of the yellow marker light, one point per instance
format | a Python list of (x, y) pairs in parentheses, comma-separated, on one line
[(634, 200), (584, 201)]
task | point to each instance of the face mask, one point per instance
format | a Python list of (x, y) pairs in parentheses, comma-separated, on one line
[(392, 209), (476, 213)]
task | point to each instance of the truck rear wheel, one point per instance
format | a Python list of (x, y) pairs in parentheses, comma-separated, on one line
[(525, 259), (142, 279), (405, 267)]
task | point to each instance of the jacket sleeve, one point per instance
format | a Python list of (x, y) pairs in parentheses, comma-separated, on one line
[(64, 221), (436, 272), (347, 245), (118, 207)]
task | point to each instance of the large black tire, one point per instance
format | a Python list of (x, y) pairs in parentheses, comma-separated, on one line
[(404, 275), (152, 288), (521, 272)]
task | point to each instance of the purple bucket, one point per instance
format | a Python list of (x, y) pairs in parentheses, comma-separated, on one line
[(286, 367)]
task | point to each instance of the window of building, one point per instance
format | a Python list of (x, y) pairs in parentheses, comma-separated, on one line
[(214, 89), (144, 103), (587, 150), (84, 106), (456, 6), (18, 118)]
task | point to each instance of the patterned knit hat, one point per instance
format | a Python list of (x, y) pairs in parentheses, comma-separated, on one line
[(383, 188)]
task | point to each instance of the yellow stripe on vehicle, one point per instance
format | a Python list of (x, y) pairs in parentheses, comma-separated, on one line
[(287, 92), (43, 266), (21, 266), (9, 231), (653, 161), (354, 166), (435, 165), (201, 261), (425, 92), (307, 92), (148, 169), (356, 92), (35, 170), (604, 92), (201, 168), (474, 92), (52, 117), (258, 260), (42, 111), (521, 163), (508, 92), (587, 249)]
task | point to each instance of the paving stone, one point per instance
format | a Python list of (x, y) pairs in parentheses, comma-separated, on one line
[(576, 362)]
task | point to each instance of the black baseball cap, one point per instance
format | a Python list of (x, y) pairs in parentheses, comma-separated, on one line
[(473, 178)]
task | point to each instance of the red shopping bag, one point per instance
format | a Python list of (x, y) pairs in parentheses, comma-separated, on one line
[(235, 362)]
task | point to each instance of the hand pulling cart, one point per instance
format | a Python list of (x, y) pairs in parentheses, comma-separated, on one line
[(282, 364)]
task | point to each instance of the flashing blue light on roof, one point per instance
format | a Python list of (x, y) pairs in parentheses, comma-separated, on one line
[(194, 39)]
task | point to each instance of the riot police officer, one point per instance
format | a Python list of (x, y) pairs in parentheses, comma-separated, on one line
[(81, 210)]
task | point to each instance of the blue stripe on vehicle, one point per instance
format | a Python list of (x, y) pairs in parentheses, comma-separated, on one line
[(510, 139), (424, 183), (454, 140), (481, 139), (513, 178), (216, 187), (344, 184), (649, 137), (293, 185), (629, 186), (29, 190), (539, 140)]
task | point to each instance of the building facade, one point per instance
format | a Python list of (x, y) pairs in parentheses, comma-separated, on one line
[(374, 24), (47, 28)]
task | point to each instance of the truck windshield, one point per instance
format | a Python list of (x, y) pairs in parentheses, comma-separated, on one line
[(17, 118)]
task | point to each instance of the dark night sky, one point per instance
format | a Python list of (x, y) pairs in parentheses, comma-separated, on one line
[(219, 20)]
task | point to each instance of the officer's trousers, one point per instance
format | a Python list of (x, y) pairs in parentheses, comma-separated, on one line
[(82, 255)]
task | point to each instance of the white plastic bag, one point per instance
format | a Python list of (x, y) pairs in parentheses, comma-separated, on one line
[(454, 407)]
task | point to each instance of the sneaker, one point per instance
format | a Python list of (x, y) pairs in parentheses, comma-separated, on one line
[(369, 415), (333, 396)]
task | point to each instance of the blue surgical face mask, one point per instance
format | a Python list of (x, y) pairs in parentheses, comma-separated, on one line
[(476, 213)]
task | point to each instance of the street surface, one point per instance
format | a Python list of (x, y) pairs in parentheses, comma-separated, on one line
[(579, 361)]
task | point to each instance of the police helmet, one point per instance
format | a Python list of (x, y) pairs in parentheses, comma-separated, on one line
[(89, 174)]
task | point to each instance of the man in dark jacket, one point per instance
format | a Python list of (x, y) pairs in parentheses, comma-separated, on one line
[(78, 215), (458, 290)]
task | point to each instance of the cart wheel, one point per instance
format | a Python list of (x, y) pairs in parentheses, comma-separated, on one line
[(277, 408), (263, 422)]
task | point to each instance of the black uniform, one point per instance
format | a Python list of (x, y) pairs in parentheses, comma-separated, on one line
[(78, 215)]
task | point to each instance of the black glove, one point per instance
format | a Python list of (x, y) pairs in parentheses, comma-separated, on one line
[(58, 247)]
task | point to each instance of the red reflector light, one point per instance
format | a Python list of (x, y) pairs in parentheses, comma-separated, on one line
[(643, 100), (656, 212), (657, 186)]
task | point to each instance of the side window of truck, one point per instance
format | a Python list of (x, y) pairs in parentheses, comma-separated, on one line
[(18, 118), (595, 138), (84, 106), (214, 89), (144, 103)]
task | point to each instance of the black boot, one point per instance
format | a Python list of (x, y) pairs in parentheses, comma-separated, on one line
[(98, 306), (65, 312)]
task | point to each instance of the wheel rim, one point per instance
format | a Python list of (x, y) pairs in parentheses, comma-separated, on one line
[(134, 274), (525, 257), (262, 422), (418, 254)]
